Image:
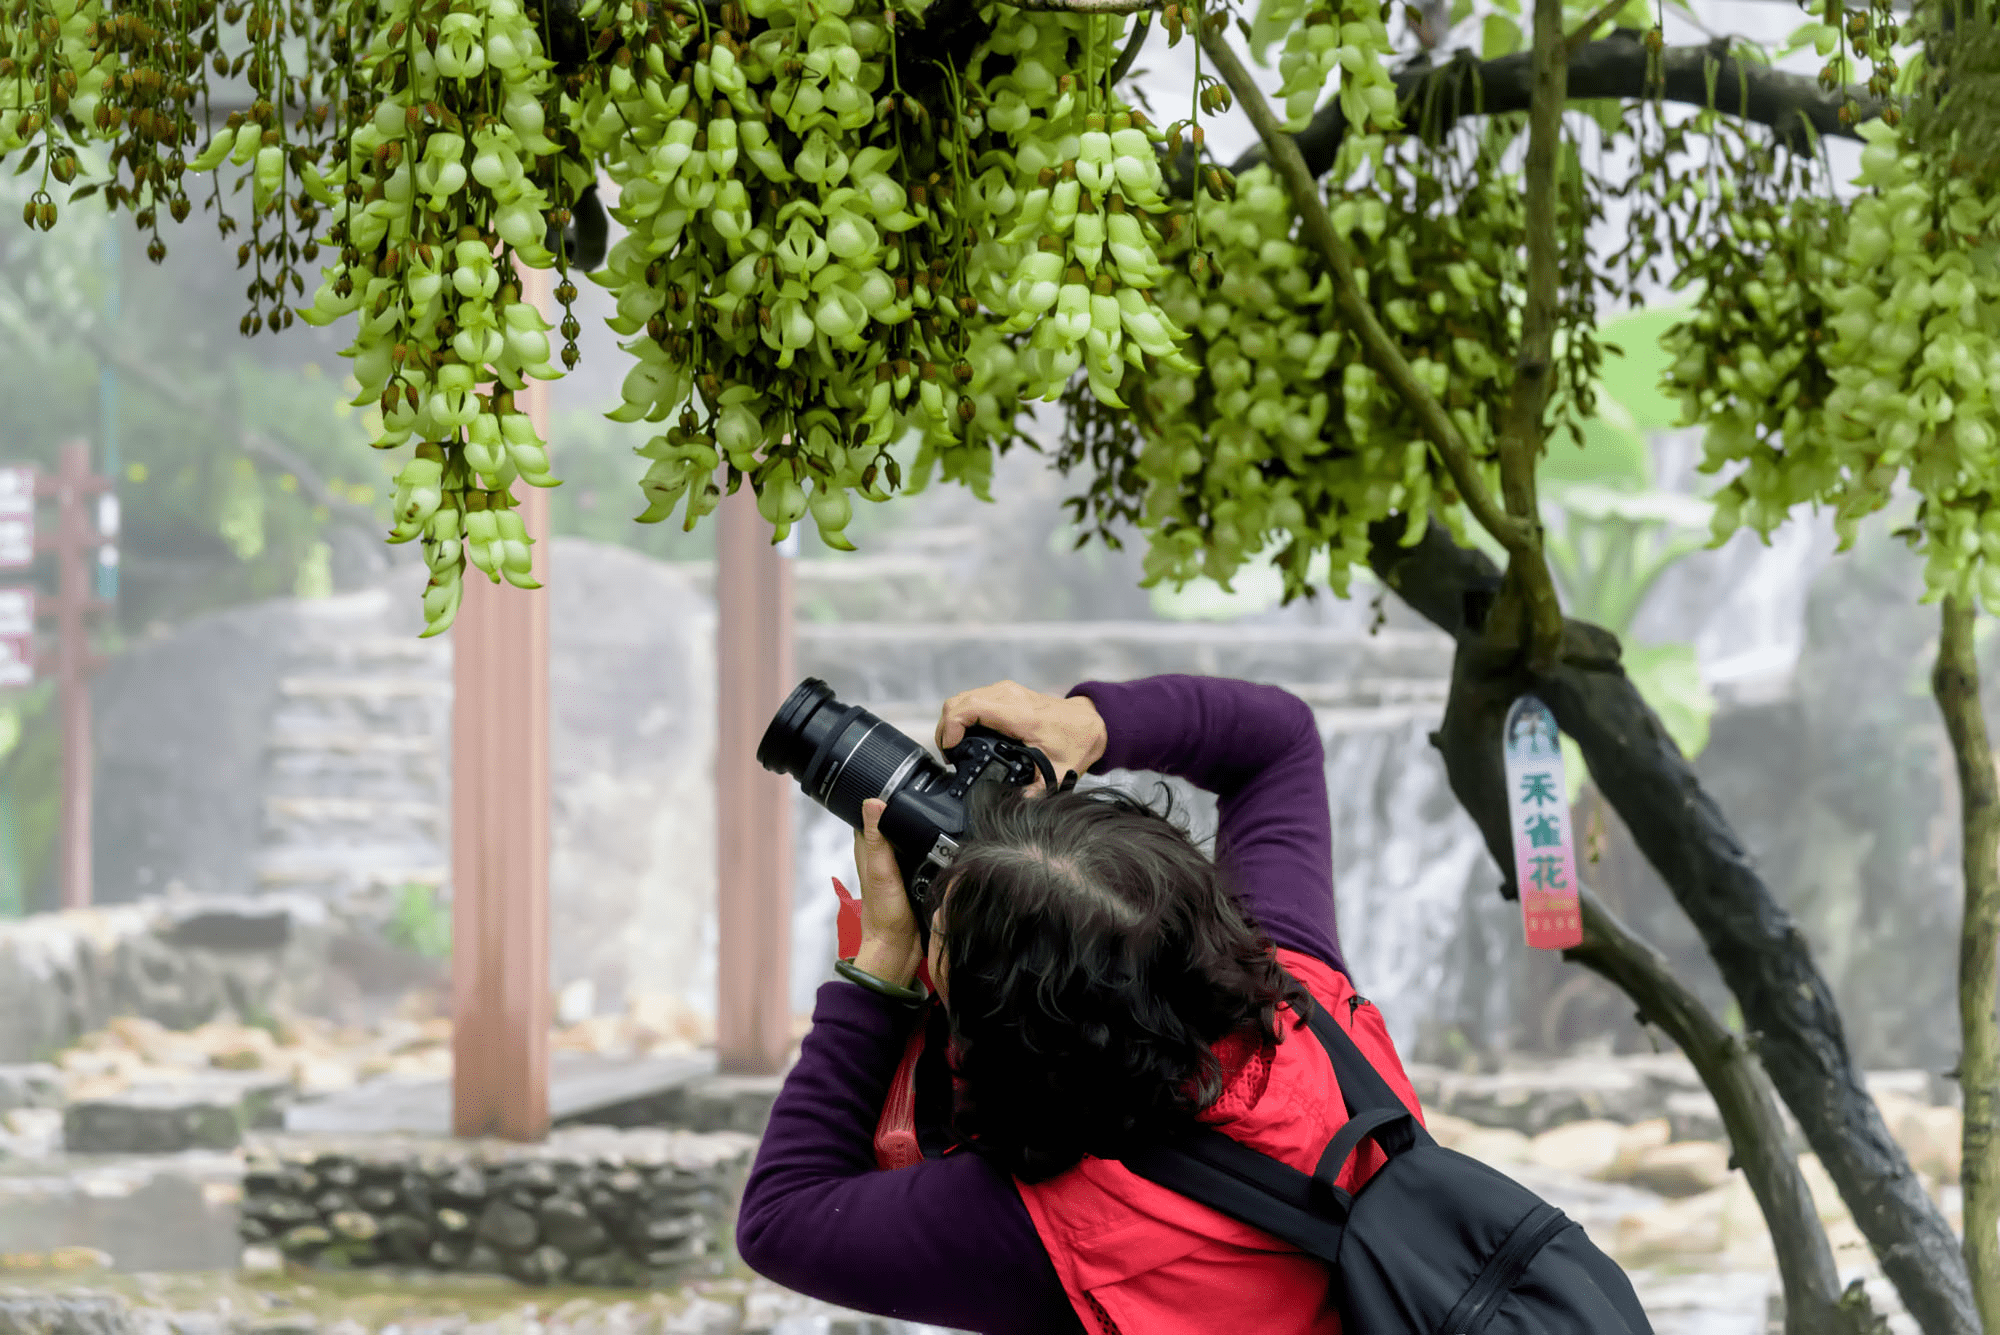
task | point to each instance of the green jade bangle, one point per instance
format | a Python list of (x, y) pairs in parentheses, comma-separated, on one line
[(909, 996)]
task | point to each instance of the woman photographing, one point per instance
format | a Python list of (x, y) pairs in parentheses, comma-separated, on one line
[(1106, 983)]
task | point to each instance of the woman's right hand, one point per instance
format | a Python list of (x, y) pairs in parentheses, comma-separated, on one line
[(1070, 732)]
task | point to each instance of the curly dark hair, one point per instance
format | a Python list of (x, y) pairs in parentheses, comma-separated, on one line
[(1093, 954)]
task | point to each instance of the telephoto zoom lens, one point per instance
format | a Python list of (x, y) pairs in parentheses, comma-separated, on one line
[(841, 755)]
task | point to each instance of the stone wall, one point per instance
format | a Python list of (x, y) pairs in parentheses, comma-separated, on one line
[(591, 1205), (179, 961), (263, 1305)]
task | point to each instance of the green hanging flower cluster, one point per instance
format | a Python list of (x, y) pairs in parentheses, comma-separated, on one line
[(47, 76), (842, 230), (449, 176), (1348, 40), (1286, 436), (1841, 354)]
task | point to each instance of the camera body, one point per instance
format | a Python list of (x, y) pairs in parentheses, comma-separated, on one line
[(842, 755)]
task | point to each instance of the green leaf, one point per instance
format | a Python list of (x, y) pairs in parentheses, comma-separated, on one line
[(1612, 454), (1461, 10), (1632, 377), (1669, 677), (1499, 36), (1608, 112)]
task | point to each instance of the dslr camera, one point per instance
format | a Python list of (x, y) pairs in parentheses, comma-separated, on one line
[(843, 755)]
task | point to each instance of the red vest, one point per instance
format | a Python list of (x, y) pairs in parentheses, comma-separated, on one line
[(1137, 1259)]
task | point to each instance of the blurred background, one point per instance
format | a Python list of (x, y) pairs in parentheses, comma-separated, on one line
[(272, 740)]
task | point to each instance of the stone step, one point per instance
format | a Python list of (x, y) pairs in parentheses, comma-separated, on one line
[(206, 1113), (334, 873), (346, 821), (374, 654), (382, 766), (408, 705), (918, 661)]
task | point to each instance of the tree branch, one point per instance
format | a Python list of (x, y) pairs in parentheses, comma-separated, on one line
[(1605, 13), (1522, 425), (1755, 943), (1381, 350), (1469, 742), (1749, 1109), (1955, 682), (1085, 6), (1438, 97)]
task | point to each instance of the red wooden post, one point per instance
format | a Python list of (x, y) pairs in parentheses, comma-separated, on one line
[(501, 1009), (75, 540), (753, 642)]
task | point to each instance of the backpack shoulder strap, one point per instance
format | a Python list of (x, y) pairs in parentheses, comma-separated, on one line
[(1232, 1179), (1362, 1087), (1307, 1210)]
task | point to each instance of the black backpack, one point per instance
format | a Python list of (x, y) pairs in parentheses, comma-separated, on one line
[(1434, 1243)]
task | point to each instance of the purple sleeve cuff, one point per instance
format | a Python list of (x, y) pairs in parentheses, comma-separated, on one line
[(946, 1242)]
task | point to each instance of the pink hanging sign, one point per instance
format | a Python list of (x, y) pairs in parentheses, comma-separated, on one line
[(1538, 810)]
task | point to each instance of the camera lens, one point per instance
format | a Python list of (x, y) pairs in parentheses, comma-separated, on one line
[(840, 754)]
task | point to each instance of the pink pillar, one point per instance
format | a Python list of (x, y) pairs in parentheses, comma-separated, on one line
[(754, 665), (74, 545), (500, 832)]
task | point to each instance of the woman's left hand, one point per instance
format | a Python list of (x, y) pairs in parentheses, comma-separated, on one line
[(890, 947)]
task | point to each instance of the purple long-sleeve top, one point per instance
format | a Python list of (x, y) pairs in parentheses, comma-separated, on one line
[(948, 1241)]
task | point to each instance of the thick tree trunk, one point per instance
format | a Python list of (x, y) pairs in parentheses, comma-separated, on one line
[(1955, 682), (1756, 945), (1469, 741)]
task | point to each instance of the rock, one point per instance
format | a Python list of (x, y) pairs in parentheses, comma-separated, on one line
[(569, 1226), (535, 1178), (305, 1238), (376, 1198), (1827, 1202), (83, 1312), (448, 1255), (1633, 1143), (1586, 1149), (483, 1260), (1532, 1099), (1683, 1168), (702, 1316), (1495, 1146), (280, 1211), (158, 1121), (1690, 1227), (453, 1221), (333, 1202), (610, 1270), (262, 1260), (1746, 1238), (672, 1228), (543, 1265), (464, 1185), (1693, 1116), (1447, 1130), (1931, 1137), (283, 1323), (30, 1085), (355, 1225), (508, 1228), (34, 1133), (336, 1171), (405, 1237)]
